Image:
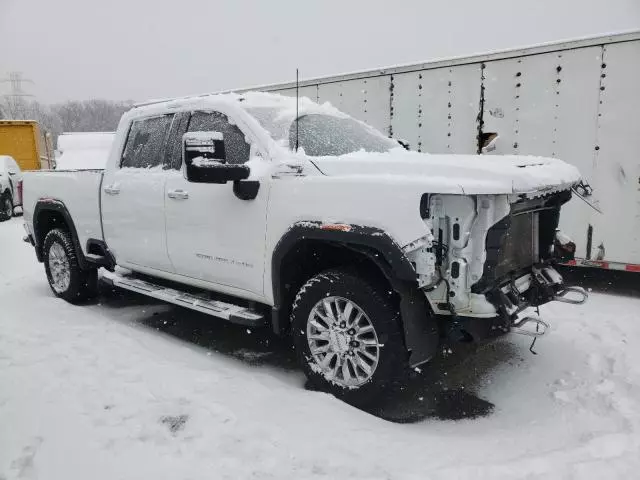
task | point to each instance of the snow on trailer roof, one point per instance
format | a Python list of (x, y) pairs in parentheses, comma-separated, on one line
[(83, 159), (85, 140), (84, 150)]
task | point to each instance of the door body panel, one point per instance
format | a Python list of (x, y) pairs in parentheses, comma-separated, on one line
[(133, 198), (212, 235)]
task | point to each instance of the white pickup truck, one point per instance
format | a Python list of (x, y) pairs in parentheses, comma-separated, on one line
[(311, 222), (10, 187)]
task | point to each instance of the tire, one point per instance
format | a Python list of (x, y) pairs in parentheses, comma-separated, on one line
[(334, 290), (66, 279), (6, 207)]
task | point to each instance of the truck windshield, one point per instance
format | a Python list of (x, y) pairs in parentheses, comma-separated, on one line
[(322, 135)]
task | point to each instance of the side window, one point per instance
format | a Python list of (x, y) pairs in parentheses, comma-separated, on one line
[(237, 149), (145, 143)]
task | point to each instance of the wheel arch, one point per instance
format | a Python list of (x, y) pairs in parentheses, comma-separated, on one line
[(309, 247), (49, 214), (5, 195)]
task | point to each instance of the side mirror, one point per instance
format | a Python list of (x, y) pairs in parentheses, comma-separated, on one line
[(204, 157)]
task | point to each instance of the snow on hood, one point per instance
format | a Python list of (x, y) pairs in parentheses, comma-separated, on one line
[(475, 174)]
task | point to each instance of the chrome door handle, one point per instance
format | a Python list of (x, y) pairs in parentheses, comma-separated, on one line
[(178, 194), (112, 189)]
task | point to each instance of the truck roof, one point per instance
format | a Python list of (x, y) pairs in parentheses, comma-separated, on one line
[(244, 101)]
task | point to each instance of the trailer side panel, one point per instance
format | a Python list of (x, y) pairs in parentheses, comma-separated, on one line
[(617, 159)]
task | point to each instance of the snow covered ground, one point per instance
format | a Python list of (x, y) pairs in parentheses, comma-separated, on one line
[(131, 389)]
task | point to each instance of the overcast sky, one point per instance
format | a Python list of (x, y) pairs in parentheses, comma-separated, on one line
[(139, 49)]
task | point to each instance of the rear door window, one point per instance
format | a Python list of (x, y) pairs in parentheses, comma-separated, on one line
[(145, 145)]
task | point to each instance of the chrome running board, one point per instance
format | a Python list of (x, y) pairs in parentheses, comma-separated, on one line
[(227, 311)]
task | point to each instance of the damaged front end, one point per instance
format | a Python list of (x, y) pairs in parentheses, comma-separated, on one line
[(489, 259), (515, 294)]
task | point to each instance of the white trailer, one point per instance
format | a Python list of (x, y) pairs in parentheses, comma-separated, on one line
[(577, 100), (83, 150)]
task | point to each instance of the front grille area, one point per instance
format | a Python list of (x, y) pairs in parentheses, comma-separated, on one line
[(519, 247), (521, 239)]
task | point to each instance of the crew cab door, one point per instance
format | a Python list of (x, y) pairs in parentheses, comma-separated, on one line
[(133, 197), (212, 235)]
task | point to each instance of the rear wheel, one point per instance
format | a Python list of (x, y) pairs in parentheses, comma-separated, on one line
[(6, 206), (347, 336), (66, 279)]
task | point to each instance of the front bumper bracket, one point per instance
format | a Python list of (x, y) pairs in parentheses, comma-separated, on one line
[(561, 296), (541, 326)]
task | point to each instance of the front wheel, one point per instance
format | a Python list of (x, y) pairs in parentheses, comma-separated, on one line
[(66, 279), (347, 336), (6, 206)]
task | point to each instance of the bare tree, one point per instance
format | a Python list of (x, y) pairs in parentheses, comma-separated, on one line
[(21, 109), (14, 108), (72, 116), (90, 115)]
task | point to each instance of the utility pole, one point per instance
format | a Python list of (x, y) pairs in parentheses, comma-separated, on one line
[(13, 103)]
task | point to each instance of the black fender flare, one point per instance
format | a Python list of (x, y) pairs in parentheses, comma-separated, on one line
[(419, 324), (57, 206)]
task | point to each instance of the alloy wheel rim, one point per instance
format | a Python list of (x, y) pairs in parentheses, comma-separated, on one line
[(59, 268), (343, 342)]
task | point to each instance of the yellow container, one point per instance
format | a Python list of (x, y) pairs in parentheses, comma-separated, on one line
[(23, 140)]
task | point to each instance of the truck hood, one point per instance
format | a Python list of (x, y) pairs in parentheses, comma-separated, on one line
[(472, 174)]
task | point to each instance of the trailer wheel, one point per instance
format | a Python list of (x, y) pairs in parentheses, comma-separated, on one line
[(66, 279), (6, 207)]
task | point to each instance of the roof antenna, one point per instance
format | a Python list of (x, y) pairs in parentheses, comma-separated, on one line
[(297, 102)]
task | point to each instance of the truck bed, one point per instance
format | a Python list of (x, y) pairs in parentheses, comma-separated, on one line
[(78, 190)]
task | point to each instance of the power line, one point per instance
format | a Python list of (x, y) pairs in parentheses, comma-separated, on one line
[(14, 101), (16, 80)]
